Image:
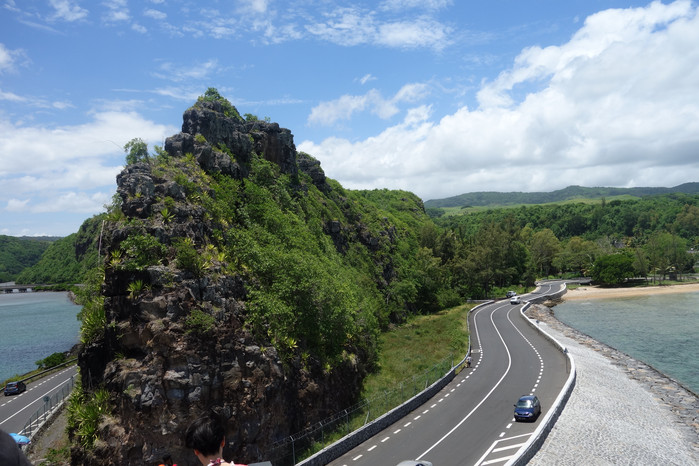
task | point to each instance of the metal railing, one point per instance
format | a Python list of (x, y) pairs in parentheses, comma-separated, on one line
[(292, 449), (51, 405)]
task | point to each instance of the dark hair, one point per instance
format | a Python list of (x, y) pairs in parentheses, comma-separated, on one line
[(205, 434)]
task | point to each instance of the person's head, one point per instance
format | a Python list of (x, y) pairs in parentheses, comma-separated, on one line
[(206, 435), (10, 454)]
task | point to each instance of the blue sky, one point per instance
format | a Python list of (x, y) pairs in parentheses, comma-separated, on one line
[(438, 97)]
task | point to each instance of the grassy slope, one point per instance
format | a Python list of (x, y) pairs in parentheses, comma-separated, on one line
[(418, 345)]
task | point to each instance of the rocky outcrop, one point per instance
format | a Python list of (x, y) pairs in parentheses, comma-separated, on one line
[(176, 342)]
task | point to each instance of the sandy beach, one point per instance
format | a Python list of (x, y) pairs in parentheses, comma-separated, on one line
[(595, 292)]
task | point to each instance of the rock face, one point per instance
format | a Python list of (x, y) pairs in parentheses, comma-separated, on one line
[(176, 344)]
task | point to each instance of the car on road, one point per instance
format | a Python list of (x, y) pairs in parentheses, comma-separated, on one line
[(515, 300), (14, 388), (414, 463), (511, 294), (527, 408)]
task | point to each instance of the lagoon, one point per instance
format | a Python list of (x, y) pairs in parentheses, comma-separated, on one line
[(661, 330), (34, 325)]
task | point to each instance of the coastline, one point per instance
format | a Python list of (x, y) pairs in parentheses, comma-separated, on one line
[(595, 292), (621, 409)]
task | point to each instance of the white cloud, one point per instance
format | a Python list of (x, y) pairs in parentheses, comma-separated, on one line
[(186, 94), (155, 14), (117, 11), (196, 71), (328, 113), (139, 28), (422, 32), (16, 205), (8, 58), (424, 4), (254, 6), (70, 168), (67, 10), (617, 105), (366, 78), (76, 202), (352, 27), (10, 96)]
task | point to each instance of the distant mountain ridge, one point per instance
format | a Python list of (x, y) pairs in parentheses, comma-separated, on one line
[(487, 198)]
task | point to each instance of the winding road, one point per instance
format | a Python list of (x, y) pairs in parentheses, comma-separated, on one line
[(470, 421)]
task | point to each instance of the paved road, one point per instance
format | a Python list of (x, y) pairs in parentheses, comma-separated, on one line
[(470, 421), (16, 410)]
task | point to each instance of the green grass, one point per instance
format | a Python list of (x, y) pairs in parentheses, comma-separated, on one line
[(417, 346)]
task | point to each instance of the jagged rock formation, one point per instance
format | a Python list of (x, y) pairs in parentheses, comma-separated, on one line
[(178, 339)]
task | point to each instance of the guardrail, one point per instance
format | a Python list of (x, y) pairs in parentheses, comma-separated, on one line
[(38, 375), (358, 436), (51, 405), (531, 447)]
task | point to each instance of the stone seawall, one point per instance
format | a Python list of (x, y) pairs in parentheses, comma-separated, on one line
[(621, 411)]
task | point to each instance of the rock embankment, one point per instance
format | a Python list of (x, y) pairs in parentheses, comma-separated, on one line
[(621, 410)]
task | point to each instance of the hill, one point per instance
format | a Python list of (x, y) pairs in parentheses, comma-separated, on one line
[(498, 199), (18, 253), (237, 277), (66, 261)]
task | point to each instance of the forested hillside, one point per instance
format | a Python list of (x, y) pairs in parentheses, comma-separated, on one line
[(66, 260), (16, 254), (609, 241), (498, 199), (638, 218)]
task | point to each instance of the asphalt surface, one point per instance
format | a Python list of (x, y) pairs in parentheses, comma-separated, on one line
[(470, 421), (16, 410)]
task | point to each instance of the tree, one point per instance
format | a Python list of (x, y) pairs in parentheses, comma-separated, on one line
[(544, 247), (136, 151), (613, 269), (577, 256), (667, 252)]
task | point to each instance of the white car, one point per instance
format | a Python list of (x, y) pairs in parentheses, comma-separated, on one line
[(515, 300)]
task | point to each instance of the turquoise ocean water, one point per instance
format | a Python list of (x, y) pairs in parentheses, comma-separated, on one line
[(660, 330), (33, 326)]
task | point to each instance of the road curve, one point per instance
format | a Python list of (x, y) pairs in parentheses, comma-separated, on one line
[(470, 422)]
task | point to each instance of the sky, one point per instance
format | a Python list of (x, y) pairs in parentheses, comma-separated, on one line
[(436, 97)]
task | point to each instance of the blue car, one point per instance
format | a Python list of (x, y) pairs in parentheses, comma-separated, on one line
[(14, 388), (527, 408)]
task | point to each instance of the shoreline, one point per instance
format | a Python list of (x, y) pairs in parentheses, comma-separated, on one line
[(594, 292), (604, 415)]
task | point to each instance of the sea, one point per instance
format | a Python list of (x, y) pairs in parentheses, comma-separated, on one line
[(660, 330), (34, 325)]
